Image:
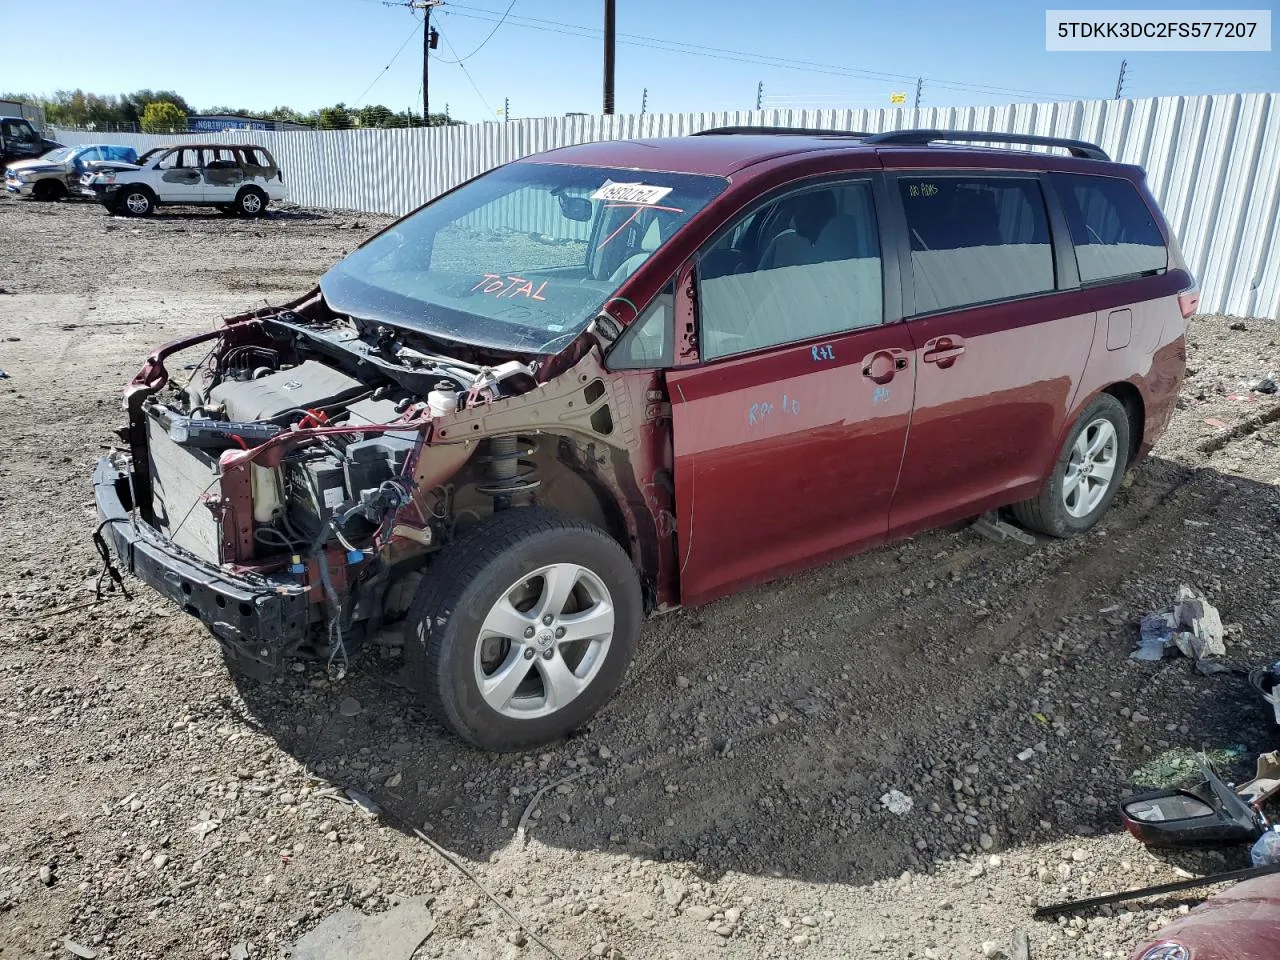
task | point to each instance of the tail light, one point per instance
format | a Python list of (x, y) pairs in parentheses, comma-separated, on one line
[(1188, 301)]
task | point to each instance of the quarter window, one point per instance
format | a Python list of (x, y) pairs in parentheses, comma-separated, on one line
[(648, 341), (976, 239), (1111, 227), (804, 266)]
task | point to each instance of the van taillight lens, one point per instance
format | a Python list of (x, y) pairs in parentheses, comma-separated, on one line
[(1188, 300)]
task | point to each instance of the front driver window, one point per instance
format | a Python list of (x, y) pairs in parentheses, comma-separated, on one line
[(806, 265)]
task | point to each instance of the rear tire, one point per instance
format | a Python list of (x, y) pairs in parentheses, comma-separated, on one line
[(251, 202), (523, 628), (1086, 475)]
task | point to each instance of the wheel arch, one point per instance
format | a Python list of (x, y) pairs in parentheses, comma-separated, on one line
[(1136, 409)]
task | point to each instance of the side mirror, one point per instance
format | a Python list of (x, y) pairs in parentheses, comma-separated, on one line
[(1176, 818), (575, 208)]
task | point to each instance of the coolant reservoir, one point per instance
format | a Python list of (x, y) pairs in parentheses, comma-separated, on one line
[(443, 400), (266, 493)]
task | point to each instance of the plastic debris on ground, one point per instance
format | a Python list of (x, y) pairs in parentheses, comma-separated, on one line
[(1192, 625), (1266, 680), (1267, 849), (897, 802)]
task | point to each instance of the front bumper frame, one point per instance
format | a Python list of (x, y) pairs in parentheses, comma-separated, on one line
[(256, 622)]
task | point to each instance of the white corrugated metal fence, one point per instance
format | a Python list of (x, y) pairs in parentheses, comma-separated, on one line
[(1213, 163)]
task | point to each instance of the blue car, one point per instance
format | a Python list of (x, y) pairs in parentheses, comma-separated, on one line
[(57, 173)]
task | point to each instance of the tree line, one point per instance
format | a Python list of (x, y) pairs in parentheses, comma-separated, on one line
[(165, 111)]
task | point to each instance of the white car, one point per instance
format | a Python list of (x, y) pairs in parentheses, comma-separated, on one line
[(236, 179)]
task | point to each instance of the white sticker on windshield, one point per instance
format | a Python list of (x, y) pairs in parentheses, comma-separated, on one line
[(630, 193), (333, 497)]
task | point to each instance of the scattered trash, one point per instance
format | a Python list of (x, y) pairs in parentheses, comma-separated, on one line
[(897, 802), (1201, 634), (1266, 680), (393, 935), (79, 949), (206, 826), (990, 525), (1265, 385), (1192, 624), (1266, 780), (1154, 634), (1070, 906), (3, 375), (365, 803), (1267, 850), (1027, 754), (1021, 946), (1215, 422)]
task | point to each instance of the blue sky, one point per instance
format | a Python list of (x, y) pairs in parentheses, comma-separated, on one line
[(311, 53)]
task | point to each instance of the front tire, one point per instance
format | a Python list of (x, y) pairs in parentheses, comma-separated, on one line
[(48, 190), (1087, 474), (524, 628), (135, 202)]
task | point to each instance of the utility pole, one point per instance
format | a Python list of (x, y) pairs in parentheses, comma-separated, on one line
[(919, 90), (430, 40), (609, 45), (644, 101), (760, 95), (1120, 80)]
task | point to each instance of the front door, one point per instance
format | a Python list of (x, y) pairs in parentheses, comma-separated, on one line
[(998, 355), (789, 434), (181, 176)]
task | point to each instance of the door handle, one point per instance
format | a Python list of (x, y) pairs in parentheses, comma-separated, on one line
[(880, 366), (943, 351)]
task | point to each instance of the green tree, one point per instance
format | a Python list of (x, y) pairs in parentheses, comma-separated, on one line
[(337, 117), (163, 117), (133, 104)]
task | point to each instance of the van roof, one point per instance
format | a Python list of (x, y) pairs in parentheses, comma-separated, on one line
[(727, 150)]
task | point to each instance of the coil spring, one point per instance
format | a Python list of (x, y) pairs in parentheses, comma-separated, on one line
[(510, 474)]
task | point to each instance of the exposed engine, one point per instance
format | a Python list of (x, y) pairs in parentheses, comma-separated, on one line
[(349, 471)]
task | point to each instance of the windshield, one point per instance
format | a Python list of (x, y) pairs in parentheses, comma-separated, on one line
[(520, 259), (57, 156)]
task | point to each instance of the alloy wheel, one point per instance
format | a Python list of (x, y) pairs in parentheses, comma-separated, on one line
[(1091, 468), (544, 641)]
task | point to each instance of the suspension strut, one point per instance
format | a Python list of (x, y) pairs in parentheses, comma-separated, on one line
[(510, 473)]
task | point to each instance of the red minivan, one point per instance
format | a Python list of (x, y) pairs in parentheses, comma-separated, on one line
[(616, 378)]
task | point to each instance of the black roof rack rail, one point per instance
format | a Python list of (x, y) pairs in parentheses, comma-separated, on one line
[(791, 131), (1077, 148)]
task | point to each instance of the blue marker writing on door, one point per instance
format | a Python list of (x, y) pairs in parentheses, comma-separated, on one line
[(824, 352), (758, 411), (881, 395)]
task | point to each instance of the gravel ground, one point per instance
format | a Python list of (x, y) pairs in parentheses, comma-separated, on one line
[(727, 803)]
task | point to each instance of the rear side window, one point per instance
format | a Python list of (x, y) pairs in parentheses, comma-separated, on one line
[(1113, 230), (976, 239)]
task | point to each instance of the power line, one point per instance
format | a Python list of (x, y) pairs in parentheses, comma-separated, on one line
[(741, 56), (382, 73), (497, 26), (445, 37)]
